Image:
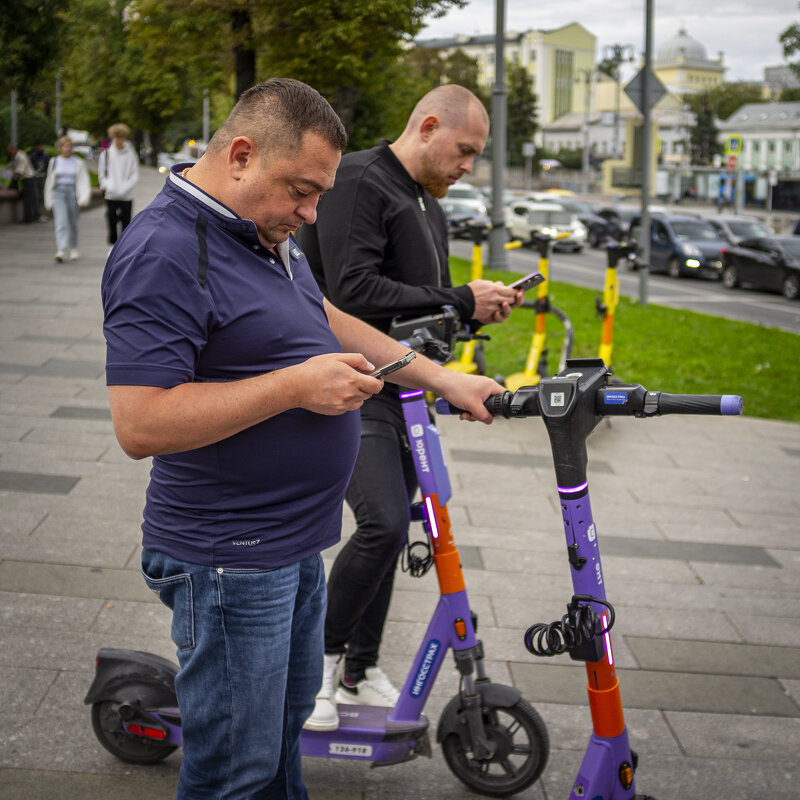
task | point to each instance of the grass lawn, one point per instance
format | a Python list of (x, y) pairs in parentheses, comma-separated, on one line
[(664, 349)]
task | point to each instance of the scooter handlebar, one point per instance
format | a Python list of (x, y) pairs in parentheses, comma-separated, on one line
[(611, 401)]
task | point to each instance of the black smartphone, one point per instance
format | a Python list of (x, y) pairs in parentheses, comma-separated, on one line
[(528, 282), (386, 369)]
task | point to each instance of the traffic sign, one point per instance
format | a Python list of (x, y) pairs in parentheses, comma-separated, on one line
[(733, 145), (635, 90), (733, 162)]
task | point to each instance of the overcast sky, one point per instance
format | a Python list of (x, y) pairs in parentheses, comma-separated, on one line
[(746, 31)]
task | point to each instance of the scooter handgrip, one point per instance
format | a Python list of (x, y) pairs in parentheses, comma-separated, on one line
[(493, 404), (443, 407), (728, 404)]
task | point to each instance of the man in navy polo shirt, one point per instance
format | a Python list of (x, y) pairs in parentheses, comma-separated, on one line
[(225, 364)]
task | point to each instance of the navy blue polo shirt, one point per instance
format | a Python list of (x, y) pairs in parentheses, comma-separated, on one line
[(191, 294)]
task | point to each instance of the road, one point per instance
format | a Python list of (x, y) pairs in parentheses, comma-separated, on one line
[(705, 296)]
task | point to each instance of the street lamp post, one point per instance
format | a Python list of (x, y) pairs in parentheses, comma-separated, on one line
[(617, 54), (587, 96)]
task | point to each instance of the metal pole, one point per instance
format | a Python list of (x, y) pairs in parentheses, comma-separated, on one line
[(585, 165), (58, 104), (498, 258), (14, 116), (644, 267)]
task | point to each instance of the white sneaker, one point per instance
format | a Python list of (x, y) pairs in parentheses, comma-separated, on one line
[(325, 717), (374, 690), (59, 256), (73, 255)]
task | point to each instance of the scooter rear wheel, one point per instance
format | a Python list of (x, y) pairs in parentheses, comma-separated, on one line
[(521, 746), (107, 725)]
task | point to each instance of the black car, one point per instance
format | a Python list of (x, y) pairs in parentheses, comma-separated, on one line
[(611, 222), (766, 262)]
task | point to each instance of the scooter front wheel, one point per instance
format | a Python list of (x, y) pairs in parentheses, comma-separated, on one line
[(520, 743), (107, 725)]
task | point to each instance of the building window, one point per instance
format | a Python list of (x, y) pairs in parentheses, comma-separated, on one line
[(563, 82), (756, 147), (532, 57), (787, 147), (771, 146)]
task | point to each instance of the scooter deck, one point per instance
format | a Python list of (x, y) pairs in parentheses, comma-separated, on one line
[(366, 733)]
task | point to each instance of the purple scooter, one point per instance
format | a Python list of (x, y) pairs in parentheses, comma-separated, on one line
[(492, 739), (571, 405)]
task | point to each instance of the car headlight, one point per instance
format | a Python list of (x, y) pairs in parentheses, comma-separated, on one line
[(692, 250)]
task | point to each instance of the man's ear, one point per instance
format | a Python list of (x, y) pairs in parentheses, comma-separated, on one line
[(241, 153), (428, 127)]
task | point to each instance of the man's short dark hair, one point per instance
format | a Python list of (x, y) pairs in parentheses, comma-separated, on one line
[(276, 113)]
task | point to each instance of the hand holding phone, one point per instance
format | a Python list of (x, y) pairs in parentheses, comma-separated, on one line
[(387, 369), (528, 282)]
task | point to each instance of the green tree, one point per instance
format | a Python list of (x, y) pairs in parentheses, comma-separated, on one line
[(463, 69), (790, 39), (725, 99), (29, 43), (521, 112), (343, 47), (703, 138)]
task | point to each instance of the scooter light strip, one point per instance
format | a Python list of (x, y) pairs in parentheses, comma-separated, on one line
[(573, 489), (431, 518), (607, 640), (415, 393)]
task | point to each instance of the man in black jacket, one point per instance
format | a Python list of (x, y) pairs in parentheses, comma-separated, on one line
[(379, 249)]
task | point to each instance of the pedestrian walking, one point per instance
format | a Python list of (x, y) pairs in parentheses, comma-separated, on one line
[(22, 172), (118, 173), (66, 188)]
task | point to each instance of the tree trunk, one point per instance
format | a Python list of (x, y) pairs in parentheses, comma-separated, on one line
[(344, 104), (244, 55)]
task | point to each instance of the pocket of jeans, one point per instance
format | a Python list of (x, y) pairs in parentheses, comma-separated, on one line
[(175, 592)]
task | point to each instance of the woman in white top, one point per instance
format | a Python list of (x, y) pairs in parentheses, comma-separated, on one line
[(118, 171), (65, 189)]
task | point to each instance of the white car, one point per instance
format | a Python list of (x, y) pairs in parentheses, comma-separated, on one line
[(525, 218)]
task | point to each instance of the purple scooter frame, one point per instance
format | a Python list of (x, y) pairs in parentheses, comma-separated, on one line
[(492, 740)]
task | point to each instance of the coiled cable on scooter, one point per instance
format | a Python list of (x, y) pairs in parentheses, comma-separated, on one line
[(581, 624), (416, 559)]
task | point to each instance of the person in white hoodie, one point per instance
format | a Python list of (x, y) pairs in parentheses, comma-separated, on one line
[(118, 172)]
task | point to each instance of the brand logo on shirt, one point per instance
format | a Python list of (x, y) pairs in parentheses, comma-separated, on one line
[(295, 252), (245, 542)]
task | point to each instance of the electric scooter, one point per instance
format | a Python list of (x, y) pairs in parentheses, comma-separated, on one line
[(572, 404), (491, 738), (536, 362), (607, 305)]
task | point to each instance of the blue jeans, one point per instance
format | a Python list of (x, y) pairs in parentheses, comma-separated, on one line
[(65, 216), (250, 649)]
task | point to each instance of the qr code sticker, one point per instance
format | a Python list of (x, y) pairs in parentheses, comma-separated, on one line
[(557, 399)]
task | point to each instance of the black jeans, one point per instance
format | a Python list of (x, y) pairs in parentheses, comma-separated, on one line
[(380, 491), (118, 215)]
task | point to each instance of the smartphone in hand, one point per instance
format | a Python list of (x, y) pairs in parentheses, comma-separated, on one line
[(387, 369), (528, 282)]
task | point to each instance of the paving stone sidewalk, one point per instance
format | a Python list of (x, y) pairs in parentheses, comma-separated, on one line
[(699, 525)]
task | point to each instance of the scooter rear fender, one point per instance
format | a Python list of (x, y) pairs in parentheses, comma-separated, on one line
[(133, 676), (493, 695)]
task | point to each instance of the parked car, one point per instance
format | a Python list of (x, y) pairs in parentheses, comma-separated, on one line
[(681, 244), (766, 262), (612, 222), (464, 205), (525, 218), (463, 218), (584, 210), (734, 229)]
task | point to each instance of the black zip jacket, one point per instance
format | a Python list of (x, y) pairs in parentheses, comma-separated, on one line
[(379, 246)]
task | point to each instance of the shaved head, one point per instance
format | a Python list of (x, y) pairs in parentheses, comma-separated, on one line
[(451, 104)]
